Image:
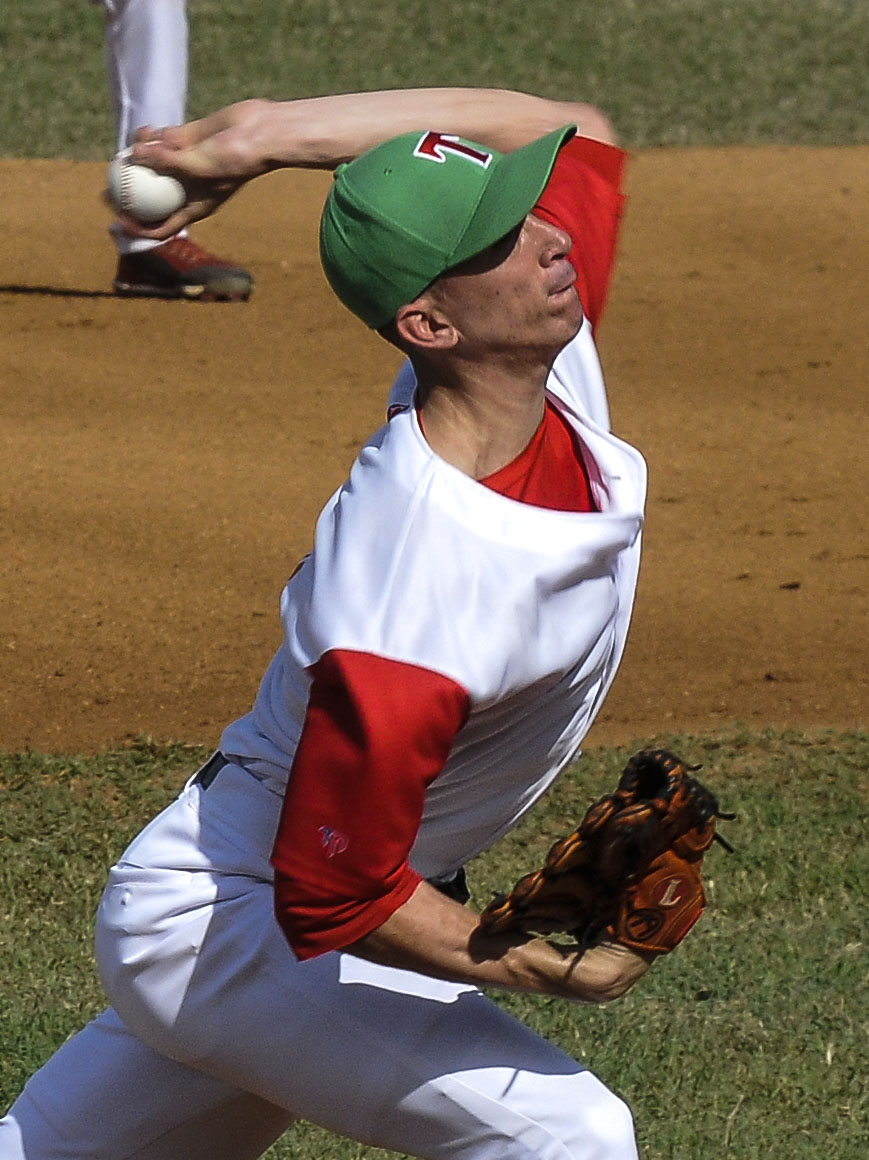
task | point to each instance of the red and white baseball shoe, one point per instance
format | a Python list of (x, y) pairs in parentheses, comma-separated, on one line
[(179, 268)]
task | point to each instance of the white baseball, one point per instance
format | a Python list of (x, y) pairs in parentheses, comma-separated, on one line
[(141, 192)]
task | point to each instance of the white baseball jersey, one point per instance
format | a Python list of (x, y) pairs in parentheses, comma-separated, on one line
[(415, 561)]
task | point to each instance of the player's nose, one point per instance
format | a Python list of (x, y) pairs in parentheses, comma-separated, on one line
[(555, 244)]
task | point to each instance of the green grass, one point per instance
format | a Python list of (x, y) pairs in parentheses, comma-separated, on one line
[(668, 71), (749, 1041)]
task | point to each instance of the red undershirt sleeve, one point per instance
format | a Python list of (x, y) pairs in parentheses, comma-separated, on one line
[(376, 734), (583, 196)]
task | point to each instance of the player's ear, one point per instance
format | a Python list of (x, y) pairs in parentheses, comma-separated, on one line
[(422, 325)]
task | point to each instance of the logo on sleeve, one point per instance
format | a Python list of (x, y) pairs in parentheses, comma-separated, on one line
[(435, 146), (333, 841)]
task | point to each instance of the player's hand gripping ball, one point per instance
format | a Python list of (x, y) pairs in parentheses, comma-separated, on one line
[(144, 194)]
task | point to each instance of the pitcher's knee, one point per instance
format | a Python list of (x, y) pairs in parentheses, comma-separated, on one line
[(568, 1118), (609, 1128), (572, 1117), (593, 1124)]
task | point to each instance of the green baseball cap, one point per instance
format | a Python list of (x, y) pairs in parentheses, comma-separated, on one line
[(405, 211)]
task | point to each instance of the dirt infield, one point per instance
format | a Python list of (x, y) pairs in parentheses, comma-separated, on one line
[(164, 462)]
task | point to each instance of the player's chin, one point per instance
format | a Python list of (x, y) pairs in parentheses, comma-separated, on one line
[(568, 321), (565, 304)]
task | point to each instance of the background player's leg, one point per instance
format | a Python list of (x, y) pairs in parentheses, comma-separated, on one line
[(146, 63), (146, 47), (106, 1096)]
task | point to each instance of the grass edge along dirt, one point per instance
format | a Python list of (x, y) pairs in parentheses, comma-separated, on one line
[(680, 72)]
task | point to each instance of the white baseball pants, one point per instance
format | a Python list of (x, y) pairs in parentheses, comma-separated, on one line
[(146, 63), (219, 1038), (146, 47)]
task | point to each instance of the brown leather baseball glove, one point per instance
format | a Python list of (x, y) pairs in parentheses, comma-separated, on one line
[(631, 871)]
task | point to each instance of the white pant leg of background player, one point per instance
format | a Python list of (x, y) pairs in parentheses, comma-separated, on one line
[(146, 47)]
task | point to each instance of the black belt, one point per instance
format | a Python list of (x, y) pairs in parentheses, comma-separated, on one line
[(206, 774)]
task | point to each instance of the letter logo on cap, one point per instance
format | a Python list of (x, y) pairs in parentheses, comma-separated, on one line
[(434, 147)]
